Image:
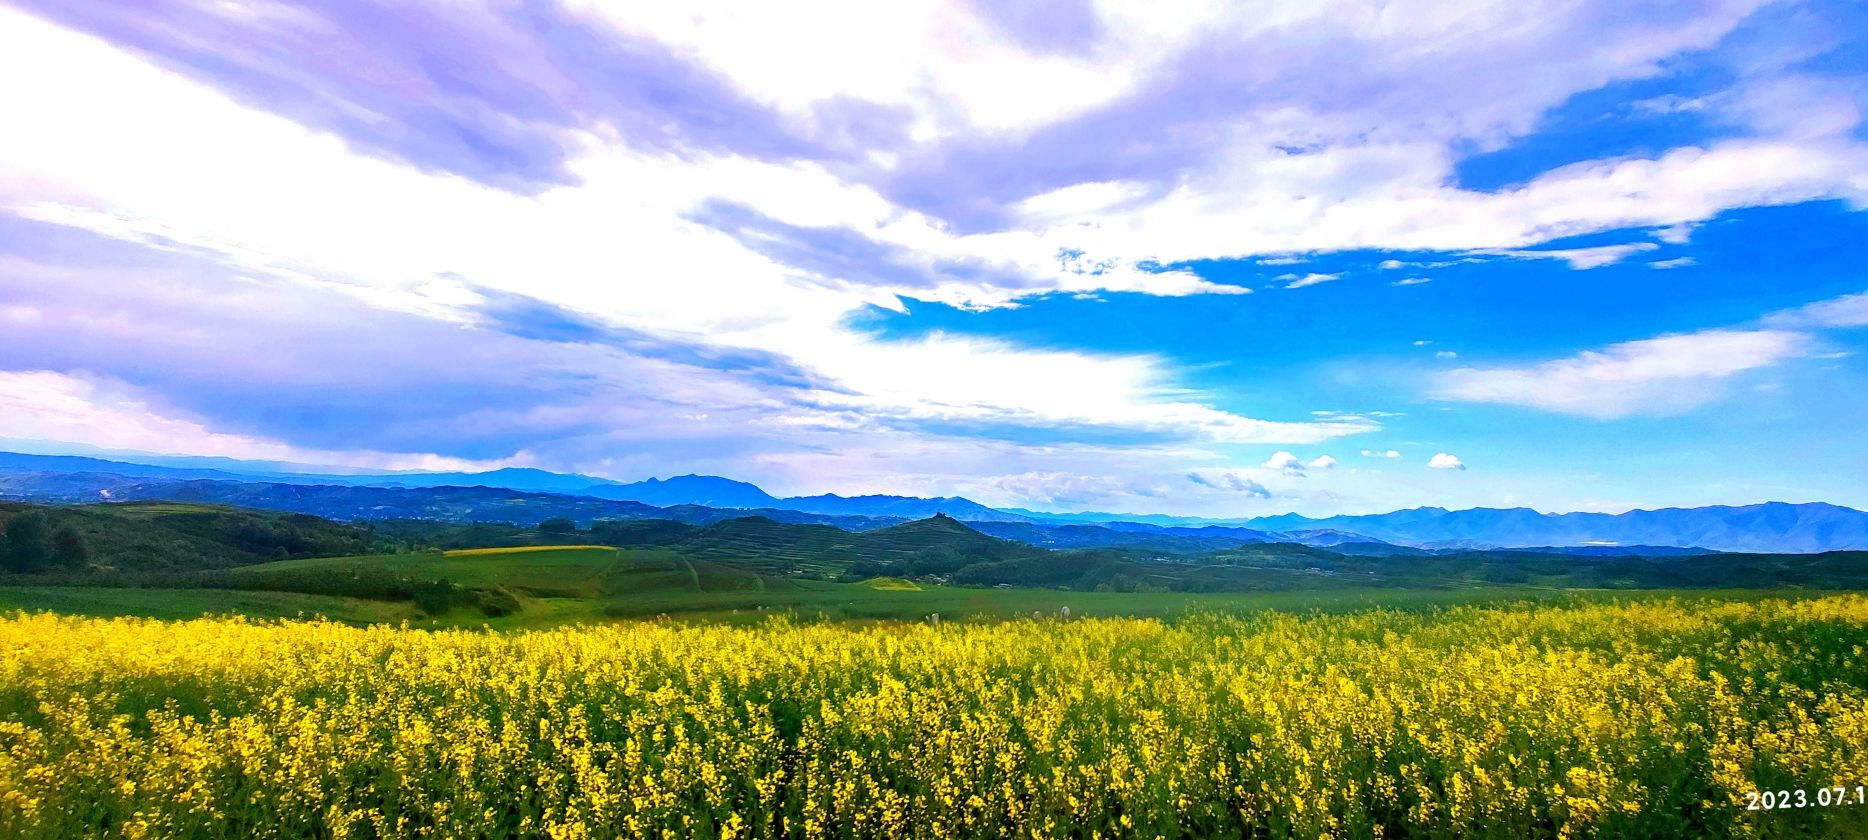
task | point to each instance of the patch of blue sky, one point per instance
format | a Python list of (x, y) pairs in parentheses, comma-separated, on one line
[(1638, 118), (1475, 305)]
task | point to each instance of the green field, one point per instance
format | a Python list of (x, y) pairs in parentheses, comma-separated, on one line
[(593, 584), (111, 602)]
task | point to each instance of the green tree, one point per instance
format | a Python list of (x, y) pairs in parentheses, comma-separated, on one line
[(69, 550), (558, 525), (28, 543)]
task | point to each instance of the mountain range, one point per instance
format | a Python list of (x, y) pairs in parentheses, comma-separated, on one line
[(523, 494)]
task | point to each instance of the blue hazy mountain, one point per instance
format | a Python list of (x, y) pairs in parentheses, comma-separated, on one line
[(705, 490), (717, 492), (1100, 517), (1768, 527), (225, 469), (15, 462)]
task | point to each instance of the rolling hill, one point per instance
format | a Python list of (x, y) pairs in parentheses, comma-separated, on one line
[(156, 536)]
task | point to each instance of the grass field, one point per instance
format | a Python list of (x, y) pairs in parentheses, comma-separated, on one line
[(1631, 719), (556, 585), (194, 603)]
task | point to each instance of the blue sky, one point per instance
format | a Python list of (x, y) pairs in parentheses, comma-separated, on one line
[(1332, 257)]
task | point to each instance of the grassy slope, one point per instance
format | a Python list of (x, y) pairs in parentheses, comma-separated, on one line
[(153, 536), (193, 603)]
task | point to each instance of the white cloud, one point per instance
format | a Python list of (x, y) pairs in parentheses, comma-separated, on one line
[(1422, 342), (1445, 461), (1284, 462), (1311, 279), (951, 378), (949, 67), (1390, 265), (1446, 354), (1678, 234), (1836, 313), (1373, 453), (1056, 489), (1322, 462), (1412, 281), (1662, 375), (284, 203), (1676, 262), (1582, 258), (1671, 103), (1229, 481)]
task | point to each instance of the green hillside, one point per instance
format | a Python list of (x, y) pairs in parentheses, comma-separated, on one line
[(937, 545), (156, 536)]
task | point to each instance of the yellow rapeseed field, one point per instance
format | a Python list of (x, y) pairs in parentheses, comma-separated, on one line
[(1633, 719)]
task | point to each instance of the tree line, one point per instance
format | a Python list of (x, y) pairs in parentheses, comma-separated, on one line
[(30, 543)]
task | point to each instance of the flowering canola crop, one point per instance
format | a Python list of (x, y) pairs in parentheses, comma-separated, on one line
[(1632, 719)]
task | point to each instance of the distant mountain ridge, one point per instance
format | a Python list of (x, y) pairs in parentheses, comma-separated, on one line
[(1767, 527), (706, 490)]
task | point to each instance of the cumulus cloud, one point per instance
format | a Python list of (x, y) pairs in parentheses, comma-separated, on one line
[(1322, 462), (1664, 375), (1446, 461), (1284, 462)]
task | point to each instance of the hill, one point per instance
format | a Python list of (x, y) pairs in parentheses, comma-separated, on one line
[(153, 536), (937, 545)]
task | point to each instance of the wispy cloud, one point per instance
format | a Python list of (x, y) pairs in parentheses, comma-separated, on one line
[(1311, 279), (1661, 375), (1581, 258), (1836, 313), (1232, 482)]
